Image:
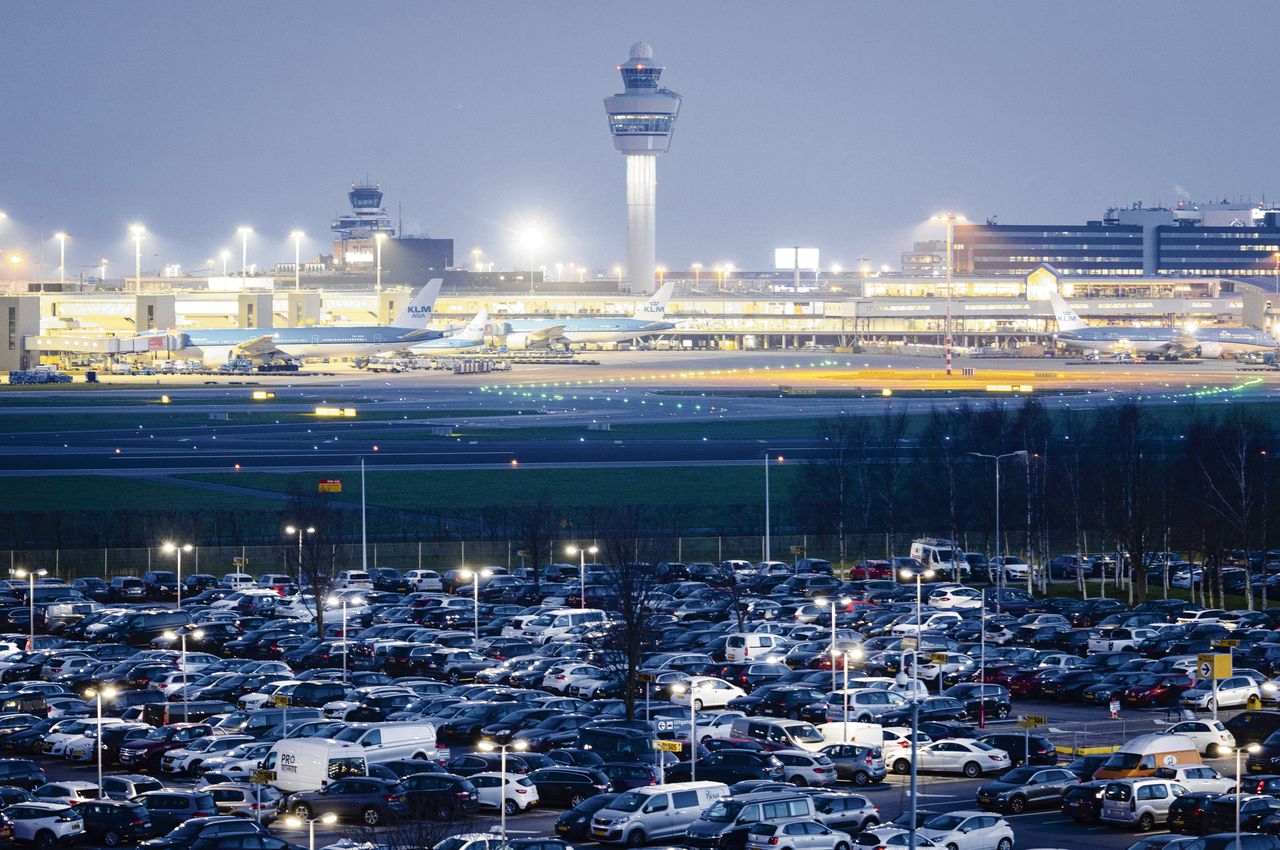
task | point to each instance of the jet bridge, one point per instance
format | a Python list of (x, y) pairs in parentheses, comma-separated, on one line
[(104, 345)]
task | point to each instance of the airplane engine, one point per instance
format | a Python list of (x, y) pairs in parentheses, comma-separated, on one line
[(522, 342), (1210, 350)]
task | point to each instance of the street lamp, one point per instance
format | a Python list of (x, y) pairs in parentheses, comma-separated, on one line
[(915, 731), (138, 232), (296, 822), (768, 523), (531, 241), (225, 255), (854, 654), (488, 747), (476, 253), (1251, 748), (244, 249), (843, 600), (378, 239), (475, 576), (950, 218), (299, 530), (99, 694), (298, 236), (171, 548), (697, 274), (346, 643), (693, 726), (999, 563), (181, 635), (31, 601), (61, 236), (102, 271), (582, 570)]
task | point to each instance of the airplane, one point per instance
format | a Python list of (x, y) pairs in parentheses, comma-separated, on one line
[(468, 339), (538, 333), (1074, 333), (218, 346), (1219, 342)]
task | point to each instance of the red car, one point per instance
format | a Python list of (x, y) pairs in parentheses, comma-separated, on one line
[(1157, 689), (147, 750), (871, 569)]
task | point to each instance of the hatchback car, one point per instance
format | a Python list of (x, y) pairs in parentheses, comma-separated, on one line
[(796, 835)]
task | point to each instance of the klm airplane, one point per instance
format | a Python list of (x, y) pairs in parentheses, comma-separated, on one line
[(217, 346), (466, 340), (544, 333), (1170, 343)]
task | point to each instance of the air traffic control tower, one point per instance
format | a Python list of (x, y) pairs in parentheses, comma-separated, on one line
[(642, 119)]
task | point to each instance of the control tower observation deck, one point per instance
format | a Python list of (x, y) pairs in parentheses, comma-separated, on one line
[(642, 119)]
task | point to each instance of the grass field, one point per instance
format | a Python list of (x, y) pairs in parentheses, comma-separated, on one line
[(699, 488), (109, 493)]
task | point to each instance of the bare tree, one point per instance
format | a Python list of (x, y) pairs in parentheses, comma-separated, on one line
[(630, 595), (534, 523), (313, 561), (1233, 482)]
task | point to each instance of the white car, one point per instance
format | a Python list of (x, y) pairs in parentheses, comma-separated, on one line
[(1114, 640), (928, 622), (1208, 615), (238, 581), (955, 597), (189, 758), (1210, 736), (71, 733), (514, 792), (1014, 568), (1231, 692), (264, 697), (32, 821), (802, 767), (238, 762), (708, 692), (951, 755), (559, 678), (894, 837), (1185, 579), (353, 579), (67, 793), (424, 580), (969, 830), (955, 663), (1196, 778)]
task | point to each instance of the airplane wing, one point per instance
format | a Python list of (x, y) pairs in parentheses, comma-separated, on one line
[(259, 346), (546, 334)]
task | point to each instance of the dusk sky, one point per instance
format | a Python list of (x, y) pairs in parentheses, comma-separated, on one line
[(839, 125)]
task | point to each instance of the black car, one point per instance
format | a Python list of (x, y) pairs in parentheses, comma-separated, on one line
[(370, 801), (979, 699), (126, 589), (115, 822), (160, 585), (440, 796), (1023, 749), (575, 757), (568, 786), (729, 766), (931, 708), (1084, 767), (575, 824), (169, 809), (1084, 802), (1026, 787), (1253, 727), (92, 588), (21, 773), (625, 775), (389, 579), (1187, 814), (203, 828)]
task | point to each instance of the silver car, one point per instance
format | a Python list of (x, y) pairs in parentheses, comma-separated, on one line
[(260, 802), (800, 834), (801, 767)]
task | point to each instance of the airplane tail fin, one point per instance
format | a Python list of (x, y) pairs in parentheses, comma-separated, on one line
[(1067, 318), (420, 309), (474, 331), (656, 307)]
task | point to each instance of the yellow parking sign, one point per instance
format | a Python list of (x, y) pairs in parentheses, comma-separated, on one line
[(1215, 665)]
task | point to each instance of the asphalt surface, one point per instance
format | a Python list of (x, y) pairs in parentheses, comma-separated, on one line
[(938, 793)]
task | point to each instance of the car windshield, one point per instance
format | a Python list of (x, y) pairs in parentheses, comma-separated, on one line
[(1123, 761), (944, 822), (1019, 775), (722, 811), (629, 802), (805, 734)]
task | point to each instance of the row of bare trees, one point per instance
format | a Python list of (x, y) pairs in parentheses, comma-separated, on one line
[(1128, 478)]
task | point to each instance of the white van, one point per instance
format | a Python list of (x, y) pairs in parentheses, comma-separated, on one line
[(750, 646), (390, 741), (941, 556), (307, 765), (654, 812), (556, 623), (791, 734)]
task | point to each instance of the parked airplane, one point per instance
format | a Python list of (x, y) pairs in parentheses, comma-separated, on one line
[(541, 333), (1114, 339), (217, 346), (1219, 342), (468, 339)]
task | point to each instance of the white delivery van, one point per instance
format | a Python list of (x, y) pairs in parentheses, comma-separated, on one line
[(382, 742), (791, 734), (560, 621), (654, 812), (306, 765), (750, 646)]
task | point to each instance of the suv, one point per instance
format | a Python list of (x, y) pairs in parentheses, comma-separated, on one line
[(148, 750), (1023, 749), (724, 826), (205, 827), (45, 824), (115, 822), (169, 809), (160, 584), (21, 773)]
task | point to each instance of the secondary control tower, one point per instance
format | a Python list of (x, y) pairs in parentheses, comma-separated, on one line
[(642, 118)]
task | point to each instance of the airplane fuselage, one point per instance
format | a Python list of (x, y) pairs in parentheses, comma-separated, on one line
[(216, 346), (596, 330), (1114, 340)]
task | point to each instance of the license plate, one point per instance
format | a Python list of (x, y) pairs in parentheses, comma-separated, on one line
[(601, 833)]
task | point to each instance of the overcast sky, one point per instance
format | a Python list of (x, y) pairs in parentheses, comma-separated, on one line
[(840, 125)]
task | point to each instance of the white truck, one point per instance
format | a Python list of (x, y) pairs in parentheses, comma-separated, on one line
[(942, 556)]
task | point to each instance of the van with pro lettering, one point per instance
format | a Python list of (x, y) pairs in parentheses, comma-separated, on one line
[(297, 764)]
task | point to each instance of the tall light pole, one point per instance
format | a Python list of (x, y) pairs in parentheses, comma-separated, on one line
[(1251, 748), (61, 236), (171, 548), (950, 219), (102, 270), (843, 600), (691, 688), (531, 241), (138, 232), (346, 641), (476, 253), (99, 694), (582, 570), (296, 823), (30, 575), (181, 635), (475, 576), (999, 563), (244, 232), (855, 653), (768, 522), (298, 236), (299, 530), (915, 732), (225, 255), (378, 239), (488, 747)]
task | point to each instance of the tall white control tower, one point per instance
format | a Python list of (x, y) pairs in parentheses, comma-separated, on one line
[(642, 119)]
